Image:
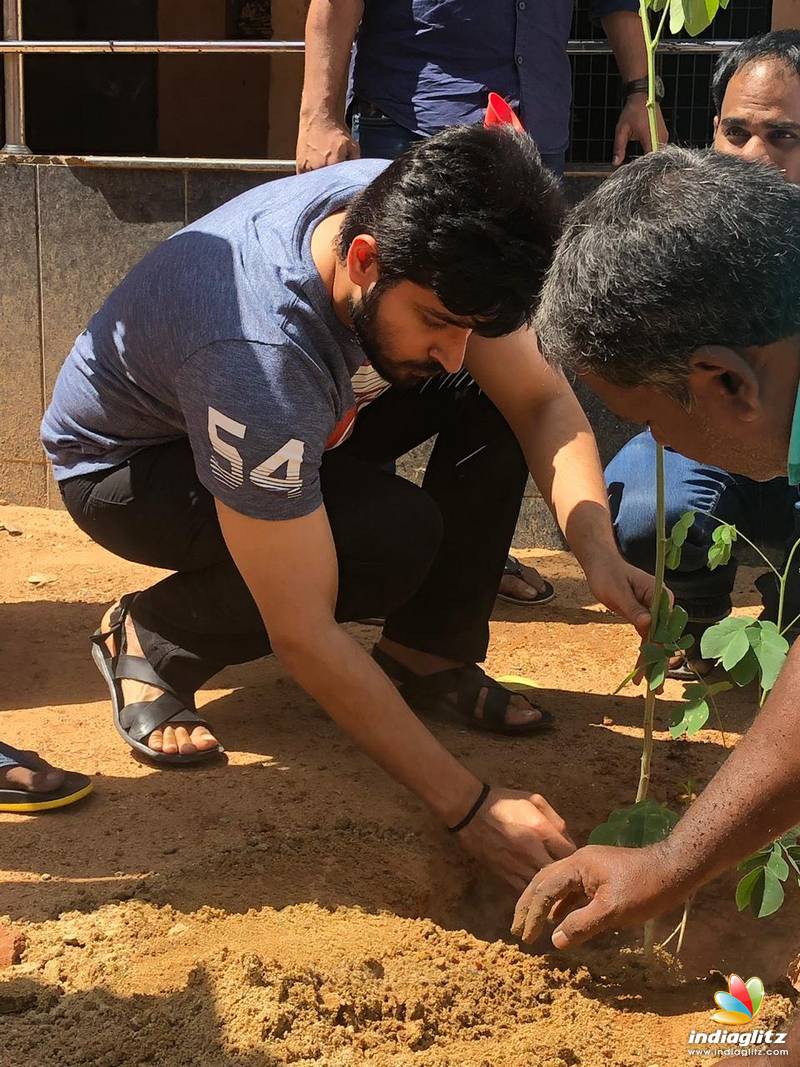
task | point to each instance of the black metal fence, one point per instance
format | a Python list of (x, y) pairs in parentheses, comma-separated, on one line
[(687, 105)]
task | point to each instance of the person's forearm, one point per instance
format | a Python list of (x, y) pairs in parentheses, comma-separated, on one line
[(626, 37), (753, 798), (358, 696), (331, 27), (562, 457)]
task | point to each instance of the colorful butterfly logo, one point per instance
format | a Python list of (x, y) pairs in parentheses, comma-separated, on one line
[(741, 1004)]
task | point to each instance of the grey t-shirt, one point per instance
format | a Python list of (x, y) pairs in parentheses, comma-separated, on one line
[(226, 334)]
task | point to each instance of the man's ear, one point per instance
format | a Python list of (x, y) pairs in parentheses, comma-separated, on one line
[(362, 261), (722, 380), (716, 127)]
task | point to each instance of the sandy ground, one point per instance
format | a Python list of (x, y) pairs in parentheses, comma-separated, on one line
[(293, 905)]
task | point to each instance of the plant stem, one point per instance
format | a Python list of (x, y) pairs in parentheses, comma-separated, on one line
[(651, 45), (680, 929), (650, 697), (657, 37), (649, 937), (787, 570), (684, 921)]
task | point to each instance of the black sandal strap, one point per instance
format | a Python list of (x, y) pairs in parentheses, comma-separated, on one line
[(496, 704), (464, 682), (138, 669), (140, 719), (513, 566)]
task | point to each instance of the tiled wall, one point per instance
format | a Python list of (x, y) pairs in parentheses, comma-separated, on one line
[(68, 236)]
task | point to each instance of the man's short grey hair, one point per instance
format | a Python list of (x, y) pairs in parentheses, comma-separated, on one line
[(677, 250)]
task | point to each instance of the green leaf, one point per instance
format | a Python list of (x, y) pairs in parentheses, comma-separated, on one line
[(651, 652), (768, 895), (761, 889), (744, 890), (737, 648), (680, 530), (676, 16), (745, 670), (684, 643), (770, 649), (777, 864), (722, 541), (715, 639), (641, 824), (690, 717), (656, 673), (676, 623), (699, 14)]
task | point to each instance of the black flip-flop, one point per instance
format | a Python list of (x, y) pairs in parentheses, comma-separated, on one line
[(27, 801), (432, 694), (514, 567), (135, 722)]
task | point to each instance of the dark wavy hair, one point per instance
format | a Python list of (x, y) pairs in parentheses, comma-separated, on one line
[(782, 46), (472, 214), (677, 250)]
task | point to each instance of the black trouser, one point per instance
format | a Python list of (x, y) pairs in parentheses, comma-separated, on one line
[(429, 560)]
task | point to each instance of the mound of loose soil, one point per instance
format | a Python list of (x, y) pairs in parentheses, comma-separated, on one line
[(293, 905)]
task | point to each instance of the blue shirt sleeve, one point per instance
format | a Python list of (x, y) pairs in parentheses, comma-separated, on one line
[(258, 417), (600, 8)]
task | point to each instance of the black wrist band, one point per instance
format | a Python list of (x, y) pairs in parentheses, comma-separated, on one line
[(473, 811)]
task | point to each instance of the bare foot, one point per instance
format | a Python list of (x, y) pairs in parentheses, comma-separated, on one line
[(171, 740), (526, 586), (38, 777), (519, 712)]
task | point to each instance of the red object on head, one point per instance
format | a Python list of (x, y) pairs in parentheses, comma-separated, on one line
[(500, 113)]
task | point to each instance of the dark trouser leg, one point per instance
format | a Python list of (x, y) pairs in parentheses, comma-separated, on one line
[(476, 476), (154, 510)]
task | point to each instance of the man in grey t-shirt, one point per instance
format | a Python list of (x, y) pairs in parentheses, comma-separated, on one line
[(228, 415)]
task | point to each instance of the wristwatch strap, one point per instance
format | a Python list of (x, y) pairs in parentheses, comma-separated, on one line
[(641, 85)]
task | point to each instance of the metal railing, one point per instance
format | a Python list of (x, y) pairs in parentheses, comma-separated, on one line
[(14, 47)]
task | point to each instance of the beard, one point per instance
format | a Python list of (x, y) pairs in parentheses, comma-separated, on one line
[(364, 316)]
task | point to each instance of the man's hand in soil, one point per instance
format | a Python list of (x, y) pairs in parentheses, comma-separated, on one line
[(516, 833), (598, 888)]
